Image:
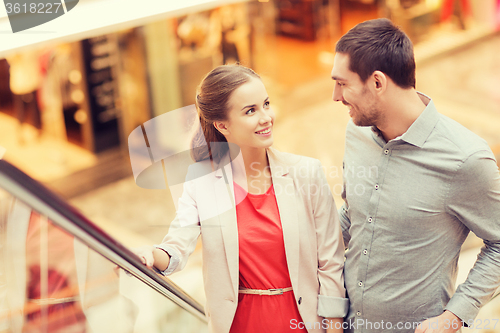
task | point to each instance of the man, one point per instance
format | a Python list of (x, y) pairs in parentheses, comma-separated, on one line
[(415, 184)]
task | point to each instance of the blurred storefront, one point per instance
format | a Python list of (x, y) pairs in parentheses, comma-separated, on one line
[(95, 91)]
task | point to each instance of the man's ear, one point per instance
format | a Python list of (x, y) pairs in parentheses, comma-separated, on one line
[(221, 127), (380, 81)]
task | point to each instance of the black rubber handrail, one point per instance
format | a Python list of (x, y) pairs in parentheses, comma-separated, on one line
[(44, 201)]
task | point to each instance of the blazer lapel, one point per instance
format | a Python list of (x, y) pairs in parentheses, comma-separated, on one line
[(224, 194), (285, 197)]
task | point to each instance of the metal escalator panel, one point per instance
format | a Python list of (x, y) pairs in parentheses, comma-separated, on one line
[(58, 272)]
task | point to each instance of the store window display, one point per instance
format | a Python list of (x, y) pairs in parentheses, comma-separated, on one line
[(497, 16), (25, 79), (208, 39), (456, 10)]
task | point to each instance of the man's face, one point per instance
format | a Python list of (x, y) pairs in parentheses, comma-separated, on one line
[(353, 93)]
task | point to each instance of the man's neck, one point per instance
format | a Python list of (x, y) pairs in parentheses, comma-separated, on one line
[(405, 106)]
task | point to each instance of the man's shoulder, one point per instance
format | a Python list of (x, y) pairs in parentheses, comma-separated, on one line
[(358, 132), (460, 136)]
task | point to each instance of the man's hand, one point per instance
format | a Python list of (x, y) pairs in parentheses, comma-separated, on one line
[(446, 322)]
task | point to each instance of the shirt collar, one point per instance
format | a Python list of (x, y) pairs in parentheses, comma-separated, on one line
[(422, 127)]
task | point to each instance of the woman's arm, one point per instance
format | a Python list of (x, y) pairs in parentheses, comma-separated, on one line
[(330, 246), (172, 254)]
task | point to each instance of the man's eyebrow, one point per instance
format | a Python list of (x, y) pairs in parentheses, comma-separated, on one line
[(336, 78)]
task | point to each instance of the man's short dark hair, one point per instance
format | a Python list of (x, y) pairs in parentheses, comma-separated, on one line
[(379, 45)]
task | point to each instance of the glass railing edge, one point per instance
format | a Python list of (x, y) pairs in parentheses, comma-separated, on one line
[(34, 194)]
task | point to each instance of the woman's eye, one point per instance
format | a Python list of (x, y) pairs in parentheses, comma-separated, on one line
[(250, 111), (266, 104)]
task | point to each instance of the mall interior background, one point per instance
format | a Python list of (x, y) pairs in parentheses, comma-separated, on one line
[(67, 126)]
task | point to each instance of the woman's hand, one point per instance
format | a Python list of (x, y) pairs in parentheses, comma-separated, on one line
[(335, 325), (152, 256), (145, 254)]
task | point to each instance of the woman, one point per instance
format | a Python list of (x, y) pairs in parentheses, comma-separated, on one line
[(272, 246)]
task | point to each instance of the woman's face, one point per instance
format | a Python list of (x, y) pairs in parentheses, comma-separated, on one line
[(250, 117)]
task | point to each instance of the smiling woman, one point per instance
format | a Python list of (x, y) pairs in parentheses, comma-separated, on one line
[(272, 246), (217, 95)]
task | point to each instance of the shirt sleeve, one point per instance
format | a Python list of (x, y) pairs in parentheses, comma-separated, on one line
[(184, 231), (175, 258), (332, 302), (474, 198)]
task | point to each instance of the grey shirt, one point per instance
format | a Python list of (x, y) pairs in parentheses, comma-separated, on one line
[(409, 205)]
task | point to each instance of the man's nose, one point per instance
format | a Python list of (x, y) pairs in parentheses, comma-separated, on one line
[(337, 94)]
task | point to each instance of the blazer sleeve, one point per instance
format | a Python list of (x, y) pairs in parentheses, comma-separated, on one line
[(332, 302), (184, 231), (345, 220)]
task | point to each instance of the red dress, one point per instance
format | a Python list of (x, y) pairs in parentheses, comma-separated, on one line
[(262, 265)]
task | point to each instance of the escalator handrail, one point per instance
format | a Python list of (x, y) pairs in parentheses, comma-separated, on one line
[(37, 196)]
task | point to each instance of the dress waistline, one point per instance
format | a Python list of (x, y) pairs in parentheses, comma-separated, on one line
[(264, 292)]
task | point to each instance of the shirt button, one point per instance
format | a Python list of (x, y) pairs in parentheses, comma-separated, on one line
[(365, 251), (370, 220), (386, 151), (300, 300), (358, 313), (360, 284), (376, 186)]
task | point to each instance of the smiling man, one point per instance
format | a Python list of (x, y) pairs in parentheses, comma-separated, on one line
[(435, 182)]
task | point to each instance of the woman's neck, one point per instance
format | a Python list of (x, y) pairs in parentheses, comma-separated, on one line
[(251, 170), (255, 161)]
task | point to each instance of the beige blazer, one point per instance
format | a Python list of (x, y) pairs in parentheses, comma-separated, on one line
[(313, 241)]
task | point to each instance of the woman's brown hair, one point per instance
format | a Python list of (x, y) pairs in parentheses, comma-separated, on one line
[(212, 104)]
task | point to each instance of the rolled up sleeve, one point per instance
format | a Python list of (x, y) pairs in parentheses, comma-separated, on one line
[(175, 258), (332, 307)]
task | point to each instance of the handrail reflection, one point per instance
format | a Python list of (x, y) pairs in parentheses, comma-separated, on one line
[(71, 220)]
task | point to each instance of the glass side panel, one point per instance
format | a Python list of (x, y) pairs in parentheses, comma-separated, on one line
[(52, 282)]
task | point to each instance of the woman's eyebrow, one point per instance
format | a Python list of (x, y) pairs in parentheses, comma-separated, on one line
[(254, 105), (248, 106)]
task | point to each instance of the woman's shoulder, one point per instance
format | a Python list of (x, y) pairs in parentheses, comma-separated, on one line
[(294, 161), (199, 169)]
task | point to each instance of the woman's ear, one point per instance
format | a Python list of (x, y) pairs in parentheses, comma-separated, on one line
[(221, 127), (379, 81)]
